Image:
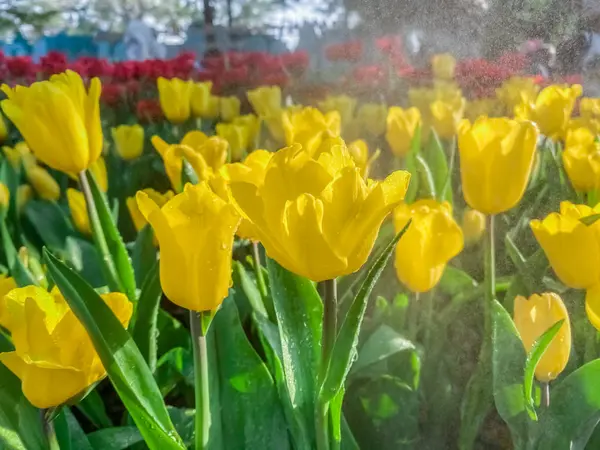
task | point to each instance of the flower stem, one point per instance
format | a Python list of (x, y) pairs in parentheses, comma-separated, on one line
[(108, 265), (260, 278), (201, 382), (545, 395), (49, 430), (490, 277), (322, 426)]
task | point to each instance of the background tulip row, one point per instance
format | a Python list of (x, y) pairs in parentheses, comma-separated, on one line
[(219, 278)]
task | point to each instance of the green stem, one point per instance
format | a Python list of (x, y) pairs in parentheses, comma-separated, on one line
[(428, 318), (322, 427), (260, 277), (490, 277), (412, 314), (201, 382), (108, 265), (545, 395), (49, 431)]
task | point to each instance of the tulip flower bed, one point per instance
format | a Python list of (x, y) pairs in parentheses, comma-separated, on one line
[(185, 265)]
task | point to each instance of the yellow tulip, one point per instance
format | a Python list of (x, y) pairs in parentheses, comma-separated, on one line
[(552, 109), (572, 247), (195, 232), (432, 239), (473, 226), (4, 197), (43, 183), (591, 123), (24, 194), (200, 99), (443, 66), (517, 90), (360, 154), (533, 318), (485, 107), (445, 116), (589, 107), (98, 169), (592, 305), (581, 159), (205, 155), (7, 284), (496, 158), (252, 171), (343, 104), (139, 221), (174, 96), (401, 127), (266, 100), (229, 108), (20, 152), (309, 127), (3, 129), (314, 213), (59, 120), (251, 123), (79, 212), (129, 141), (371, 118), (238, 137), (54, 356)]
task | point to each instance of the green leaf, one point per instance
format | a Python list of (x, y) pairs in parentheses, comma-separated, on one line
[(93, 408), (426, 181), (10, 177), (574, 405), (18, 271), (145, 330), (530, 270), (144, 254), (299, 312), (77, 438), (437, 161), (84, 258), (249, 400), (383, 343), (508, 367), (124, 364), (344, 349), (117, 438), (533, 358), (20, 424), (411, 166), (188, 174), (589, 220), (114, 241), (455, 281), (50, 222), (242, 279)]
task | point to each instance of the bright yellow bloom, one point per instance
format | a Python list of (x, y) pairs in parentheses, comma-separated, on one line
[(4, 196), (238, 138), (443, 66), (581, 159), (98, 169), (572, 247), (589, 107), (591, 123), (432, 239), (200, 99), (195, 232), (473, 226), (139, 221), (175, 97), (54, 357), (3, 129), (552, 109), (251, 170), (445, 116), (129, 141), (592, 305), (401, 127), (43, 183), (360, 154), (79, 212), (17, 153), (533, 318), (371, 118), (496, 158), (7, 284), (517, 90), (229, 108), (205, 155), (343, 104), (266, 100), (309, 127), (59, 120), (314, 213), (24, 194), (252, 124)]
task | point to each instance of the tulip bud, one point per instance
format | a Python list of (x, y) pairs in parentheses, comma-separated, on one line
[(3, 129), (43, 183), (129, 141), (473, 225), (4, 196), (24, 194), (533, 318), (229, 108), (79, 212)]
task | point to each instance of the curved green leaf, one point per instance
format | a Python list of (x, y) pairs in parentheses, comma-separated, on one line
[(21, 274), (117, 438), (124, 363)]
